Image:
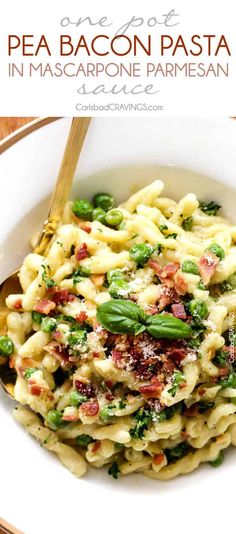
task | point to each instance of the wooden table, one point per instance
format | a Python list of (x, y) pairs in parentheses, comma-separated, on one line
[(10, 124)]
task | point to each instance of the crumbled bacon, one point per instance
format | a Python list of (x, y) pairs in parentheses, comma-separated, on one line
[(180, 285), (109, 396), (167, 296), (44, 306), (158, 458), (59, 352), (81, 252), (155, 265), (169, 271), (86, 227), (117, 358), (193, 411), (152, 390), (70, 417), (81, 317), (223, 371), (207, 266), (84, 389), (62, 295), (96, 446), (17, 304), (90, 408), (176, 354), (152, 310), (178, 310)]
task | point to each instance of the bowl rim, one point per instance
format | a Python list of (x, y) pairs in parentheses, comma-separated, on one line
[(32, 126)]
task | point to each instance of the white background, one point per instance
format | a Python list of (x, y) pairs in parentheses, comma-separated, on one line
[(58, 96)]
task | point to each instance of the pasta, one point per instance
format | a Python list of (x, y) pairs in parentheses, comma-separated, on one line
[(123, 336)]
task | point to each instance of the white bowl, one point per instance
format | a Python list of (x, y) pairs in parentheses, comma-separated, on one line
[(37, 493)]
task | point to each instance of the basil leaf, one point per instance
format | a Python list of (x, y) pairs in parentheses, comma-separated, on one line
[(121, 317), (167, 326)]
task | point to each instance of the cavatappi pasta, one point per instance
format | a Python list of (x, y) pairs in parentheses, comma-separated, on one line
[(123, 337)]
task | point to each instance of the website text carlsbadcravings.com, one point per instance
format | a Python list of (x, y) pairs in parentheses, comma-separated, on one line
[(116, 107)]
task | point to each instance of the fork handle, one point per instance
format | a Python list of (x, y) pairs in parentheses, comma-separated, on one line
[(75, 141)]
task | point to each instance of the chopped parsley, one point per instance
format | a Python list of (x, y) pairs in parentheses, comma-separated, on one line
[(174, 235), (177, 452), (187, 223), (143, 417), (49, 282), (163, 227), (203, 406), (177, 379), (210, 208), (121, 404), (114, 470), (83, 440)]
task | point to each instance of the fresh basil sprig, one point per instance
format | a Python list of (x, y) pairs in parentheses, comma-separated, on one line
[(121, 317), (168, 326), (126, 317)]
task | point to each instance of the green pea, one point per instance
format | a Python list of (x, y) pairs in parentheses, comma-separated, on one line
[(106, 413), (217, 250), (189, 266), (114, 217), (6, 346), (78, 337), (119, 289), (198, 308), (37, 317), (83, 209), (218, 461), (83, 440), (76, 398), (115, 274), (141, 253), (48, 324), (104, 201), (29, 371), (99, 215), (54, 419)]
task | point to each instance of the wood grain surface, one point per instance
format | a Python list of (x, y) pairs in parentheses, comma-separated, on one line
[(9, 124)]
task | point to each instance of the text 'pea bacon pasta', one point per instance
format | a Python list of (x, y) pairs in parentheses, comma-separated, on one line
[(123, 336)]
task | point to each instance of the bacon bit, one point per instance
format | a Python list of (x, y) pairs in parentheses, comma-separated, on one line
[(12, 362), (70, 417), (44, 306), (35, 389), (155, 265), (152, 310), (184, 434), (58, 351), (207, 266), (167, 296), (117, 356), (95, 354), (84, 389), (223, 371), (81, 317), (158, 458), (109, 396), (90, 408), (176, 354), (98, 279), (63, 295), (86, 227), (180, 285), (109, 383), (193, 411), (201, 392), (96, 446), (81, 252), (17, 304), (169, 270), (178, 311), (152, 390)]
